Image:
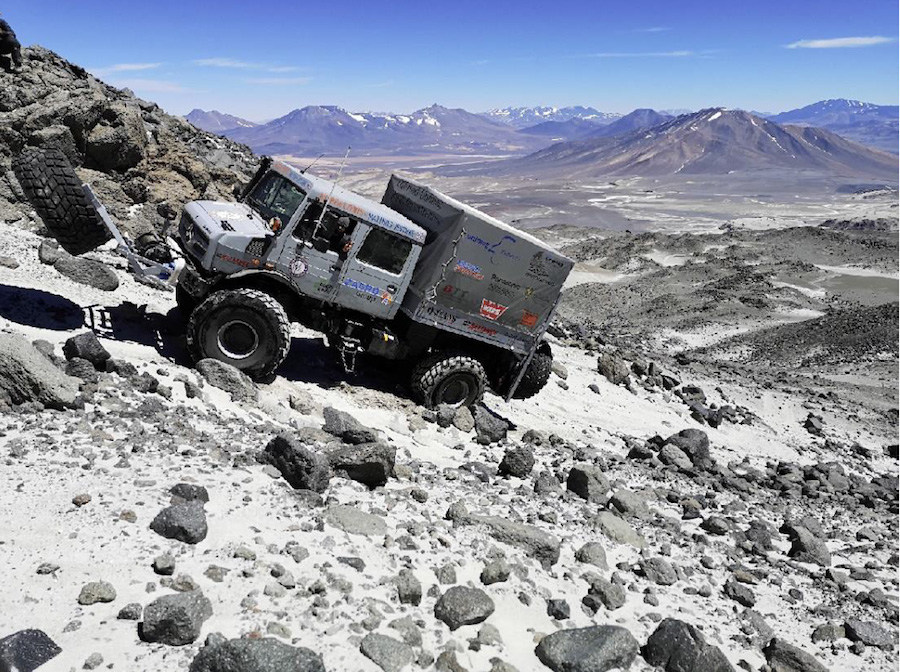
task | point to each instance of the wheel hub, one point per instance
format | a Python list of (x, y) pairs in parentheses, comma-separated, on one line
[(237, 339)]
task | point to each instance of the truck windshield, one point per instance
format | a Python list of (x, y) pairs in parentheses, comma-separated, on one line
[(275, 196)]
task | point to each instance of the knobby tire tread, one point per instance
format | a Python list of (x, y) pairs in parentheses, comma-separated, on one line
[(54, 190)]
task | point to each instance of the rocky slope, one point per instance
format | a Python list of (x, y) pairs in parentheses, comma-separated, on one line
[(134, 155)]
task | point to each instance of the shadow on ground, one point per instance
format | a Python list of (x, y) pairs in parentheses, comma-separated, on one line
[(39, 309)]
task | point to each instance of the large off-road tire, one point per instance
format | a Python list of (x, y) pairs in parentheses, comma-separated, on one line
[(246, 328), (54, 189), (536, 376), (452, 378)]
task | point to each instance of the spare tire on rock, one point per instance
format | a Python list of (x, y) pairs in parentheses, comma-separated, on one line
[(54, 190)]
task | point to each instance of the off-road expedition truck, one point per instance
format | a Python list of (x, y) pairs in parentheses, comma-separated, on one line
[(421, 278)]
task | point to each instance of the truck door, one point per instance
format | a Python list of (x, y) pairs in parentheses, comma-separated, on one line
[(312, 268), (377, 271)]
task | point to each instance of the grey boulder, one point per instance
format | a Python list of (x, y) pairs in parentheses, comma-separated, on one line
[(229, 378), (175, 619), (676, 646), (368, 463), (256, 655), (185, 521), (463, 606), (88, 272), (386, 652), (593, 649), (87, 346), (303, 468), (28, 376)]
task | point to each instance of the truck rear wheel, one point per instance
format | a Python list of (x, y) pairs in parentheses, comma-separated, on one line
[(54, 190), (452, 378), (246, 328), (536, 376)]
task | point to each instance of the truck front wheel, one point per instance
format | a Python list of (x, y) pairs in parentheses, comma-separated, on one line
[(452, 378), (246, 328)]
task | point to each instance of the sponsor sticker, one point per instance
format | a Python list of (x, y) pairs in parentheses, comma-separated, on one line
[(299, 267), (237, 261), (496, 249), (479, 329), (455, 293), (529, 319), (491, 310), (471, 270)]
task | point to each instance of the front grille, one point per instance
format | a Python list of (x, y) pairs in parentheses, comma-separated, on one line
[(199, 242)]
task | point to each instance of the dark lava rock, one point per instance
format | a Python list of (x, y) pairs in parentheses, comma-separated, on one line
[(558, 609), (175, 619), (659, 571), (740, 593), (869, 633), (26, 650), (806, 547), (229, 378), (611, 595), (463, 606), (784, 657), (814, 424), (83, 369), (88, 272), (388, 653), (28, 376), (303, 468), (189, 492), (409, 588), (87, 346), (256, 655), (588, 482), (676, 646), (488, 427), (594, 649), (517, 462), (346, 427), (368, 463), (613, 368), (130, 612), (185, 522), (695, 444)]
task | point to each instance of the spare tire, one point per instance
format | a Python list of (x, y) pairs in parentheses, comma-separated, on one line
[(54, 189)]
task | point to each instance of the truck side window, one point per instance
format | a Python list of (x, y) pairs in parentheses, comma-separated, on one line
[(385, 250)]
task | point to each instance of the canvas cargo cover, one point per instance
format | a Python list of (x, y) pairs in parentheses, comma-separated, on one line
[(477, 274)]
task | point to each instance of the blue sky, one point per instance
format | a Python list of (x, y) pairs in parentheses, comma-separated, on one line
[(261, 59)]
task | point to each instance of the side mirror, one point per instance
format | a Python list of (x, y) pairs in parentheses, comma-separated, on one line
[(320, 244)]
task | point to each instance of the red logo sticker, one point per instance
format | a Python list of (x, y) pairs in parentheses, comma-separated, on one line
[(529, 319), (491, 310)]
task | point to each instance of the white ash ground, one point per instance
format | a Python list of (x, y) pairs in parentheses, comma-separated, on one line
[(127, 448)]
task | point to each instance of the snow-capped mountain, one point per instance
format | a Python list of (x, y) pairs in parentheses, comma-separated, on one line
[(215, 121), (525, 117), (711, 141), (866, 123), (432, 129)]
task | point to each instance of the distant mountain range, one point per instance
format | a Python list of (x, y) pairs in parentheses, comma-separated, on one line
[(583, 132), (434, 129), (525, 117), (712, 141), (215, 121), (873, 125)]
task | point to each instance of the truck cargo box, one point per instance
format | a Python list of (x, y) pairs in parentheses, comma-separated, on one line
[(476, 275)]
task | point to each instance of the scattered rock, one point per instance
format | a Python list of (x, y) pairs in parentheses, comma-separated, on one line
[(629, 504), (676, 646), (659, 571), (346, 427), (588, 482), (617, 529), (175, 619), (87, 346), (368, 463), (463, 606), (496, 571), (88, 272), (26, 650), (409, 588), (784, 657), (593, 649), (229, 378), (488, 427), (28, 376), (463, 419), (256, 655), (189, 492), (131, 612), (592, 553), (869, 633), (96, 591), (354, 521), (806, 547), (540, 545), (185, 522), (386, 652), (517, 462), (303, 468), (613, 368)]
